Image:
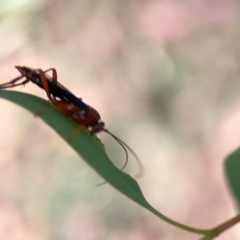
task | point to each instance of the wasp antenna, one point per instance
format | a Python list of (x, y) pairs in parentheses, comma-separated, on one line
[(124, 146)]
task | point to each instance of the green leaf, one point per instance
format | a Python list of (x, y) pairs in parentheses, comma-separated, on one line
[(91, 149), (232, 168)]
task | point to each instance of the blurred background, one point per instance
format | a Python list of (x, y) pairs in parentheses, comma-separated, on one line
[(163, 74)]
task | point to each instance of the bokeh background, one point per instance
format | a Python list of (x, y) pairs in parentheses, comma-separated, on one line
[(164, 76)]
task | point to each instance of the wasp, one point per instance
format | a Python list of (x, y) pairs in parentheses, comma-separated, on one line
[(70, 105)]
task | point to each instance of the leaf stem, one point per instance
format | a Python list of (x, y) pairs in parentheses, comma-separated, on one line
[(182, 226), (224, 226)]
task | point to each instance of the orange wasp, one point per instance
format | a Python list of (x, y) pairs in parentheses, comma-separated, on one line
[(68, 103)]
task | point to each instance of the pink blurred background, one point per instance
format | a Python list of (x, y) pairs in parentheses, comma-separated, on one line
[(164, 76)]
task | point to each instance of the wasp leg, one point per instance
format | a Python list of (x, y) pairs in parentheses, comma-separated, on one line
[(12, 83), (40, 113), (78, 130)]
